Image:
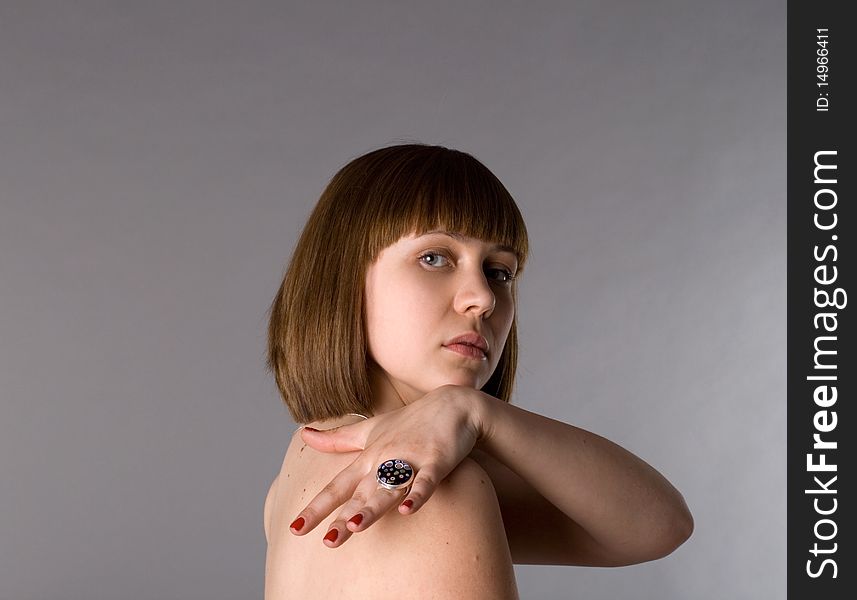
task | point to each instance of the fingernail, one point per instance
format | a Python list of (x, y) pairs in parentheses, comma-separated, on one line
[(298, 523), (356, 519), (408, 503), (332, 535)]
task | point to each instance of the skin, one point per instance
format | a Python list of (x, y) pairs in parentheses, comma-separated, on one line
[(423, 291), (598, 504)]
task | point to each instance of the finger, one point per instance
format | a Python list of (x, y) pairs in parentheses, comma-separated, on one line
[(334, 494), (338, 532), (425, 484), (347, 438), (379, 504), (350, 515)]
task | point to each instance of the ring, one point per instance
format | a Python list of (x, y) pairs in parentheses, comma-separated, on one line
[(394, 474)]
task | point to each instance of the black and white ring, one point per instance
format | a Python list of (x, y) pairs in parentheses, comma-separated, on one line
[(394, 474)]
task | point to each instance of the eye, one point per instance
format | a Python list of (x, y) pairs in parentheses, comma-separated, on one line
[(501, 275), (439, 260), (432, 255)]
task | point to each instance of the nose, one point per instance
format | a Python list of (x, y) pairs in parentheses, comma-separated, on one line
[(474, 295)]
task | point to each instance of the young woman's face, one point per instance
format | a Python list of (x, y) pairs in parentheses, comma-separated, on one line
[(423, 292)]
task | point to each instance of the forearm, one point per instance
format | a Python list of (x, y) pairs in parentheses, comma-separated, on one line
[(621, 501)]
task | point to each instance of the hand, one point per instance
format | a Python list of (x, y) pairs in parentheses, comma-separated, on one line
[(433, 434)]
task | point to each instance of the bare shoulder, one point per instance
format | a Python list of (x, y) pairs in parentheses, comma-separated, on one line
[(454, 547)]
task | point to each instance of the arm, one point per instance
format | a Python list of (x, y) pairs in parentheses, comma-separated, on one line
[(596, 504), (569, 496)]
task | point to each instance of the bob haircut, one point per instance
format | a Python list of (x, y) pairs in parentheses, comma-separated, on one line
[(317, 347)]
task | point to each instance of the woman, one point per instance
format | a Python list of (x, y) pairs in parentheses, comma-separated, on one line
[(393, 339)]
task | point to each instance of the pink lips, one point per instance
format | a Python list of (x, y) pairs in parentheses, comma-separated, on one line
[(469, 344), (469, 351)]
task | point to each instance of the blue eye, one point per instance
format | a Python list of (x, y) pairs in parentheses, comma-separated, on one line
[(430, 254)]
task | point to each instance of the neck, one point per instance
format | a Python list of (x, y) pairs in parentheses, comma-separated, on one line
[(388, 395)]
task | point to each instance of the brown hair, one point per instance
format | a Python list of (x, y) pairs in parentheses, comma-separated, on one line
[(317, 347)]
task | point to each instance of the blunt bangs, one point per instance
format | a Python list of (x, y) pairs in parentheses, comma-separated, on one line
[(435, 188)]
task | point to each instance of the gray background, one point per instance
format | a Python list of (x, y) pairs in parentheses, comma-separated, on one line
[(158, 161)]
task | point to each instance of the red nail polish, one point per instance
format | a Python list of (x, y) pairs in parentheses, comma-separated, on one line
[(332, 535), (408, 503), (298, 523), (356, 519)]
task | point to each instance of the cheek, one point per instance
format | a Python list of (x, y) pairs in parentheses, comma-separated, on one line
[(396, 318), (505, 314), (505, 308)]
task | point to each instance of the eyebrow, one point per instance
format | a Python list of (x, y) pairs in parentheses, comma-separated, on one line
[(460, 238)]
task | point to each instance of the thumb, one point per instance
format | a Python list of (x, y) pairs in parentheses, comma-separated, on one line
[(347, 438)]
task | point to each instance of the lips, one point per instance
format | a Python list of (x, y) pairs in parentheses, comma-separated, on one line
[(470, 338), (468, 351)]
